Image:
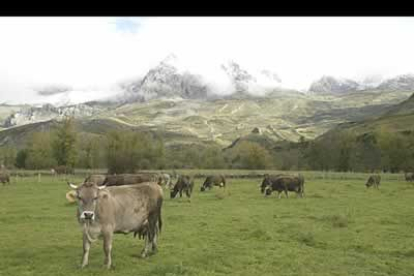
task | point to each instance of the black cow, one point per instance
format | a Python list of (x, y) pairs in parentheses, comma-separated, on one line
[(373, 180), (267, 178), (213, 180), (184, 183), (285, 184)]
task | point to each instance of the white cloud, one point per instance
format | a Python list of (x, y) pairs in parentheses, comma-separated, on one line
[(94, 53)]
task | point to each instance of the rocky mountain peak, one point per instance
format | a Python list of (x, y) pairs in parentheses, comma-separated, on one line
[(329, 84)]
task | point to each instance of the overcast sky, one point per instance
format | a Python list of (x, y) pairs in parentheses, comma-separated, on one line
[(90, 55)]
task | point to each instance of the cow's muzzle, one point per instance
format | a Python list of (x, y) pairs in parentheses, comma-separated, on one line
[(88, 215)]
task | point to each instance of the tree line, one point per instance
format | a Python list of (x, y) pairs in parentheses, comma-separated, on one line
[(128, 151)]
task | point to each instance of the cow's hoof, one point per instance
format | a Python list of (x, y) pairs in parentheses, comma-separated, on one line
[(144, 255)]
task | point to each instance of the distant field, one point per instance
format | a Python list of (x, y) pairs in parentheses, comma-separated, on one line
[(338, 228)]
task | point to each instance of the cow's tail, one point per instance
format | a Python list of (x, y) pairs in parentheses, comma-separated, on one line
[(159, 215), (159, 220)]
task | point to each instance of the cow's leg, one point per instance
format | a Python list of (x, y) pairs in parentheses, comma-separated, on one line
[(279, 194), (86, 248), (107, 244), (154, 246), (145, 250), (286, 193), (181, 192), (188, 193)]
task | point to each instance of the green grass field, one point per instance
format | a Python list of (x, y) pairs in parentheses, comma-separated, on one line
[(338, 228)]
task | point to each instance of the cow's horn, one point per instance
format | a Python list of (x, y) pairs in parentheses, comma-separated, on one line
[(102, 187), (73, 186)]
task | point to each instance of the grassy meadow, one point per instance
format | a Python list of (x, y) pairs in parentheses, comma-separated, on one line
[(338, 228)]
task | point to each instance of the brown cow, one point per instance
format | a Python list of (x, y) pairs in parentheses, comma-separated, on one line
[(62, 170), (409, 176), (184, 183), (105, 211), (4, 177), (216, 180), (125, 179), (373, 180), (96, 178)]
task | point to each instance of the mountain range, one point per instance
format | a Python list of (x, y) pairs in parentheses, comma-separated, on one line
[(185, 108)]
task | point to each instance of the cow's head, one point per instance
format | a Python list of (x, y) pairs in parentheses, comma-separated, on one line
[(174, 190), (268, 191), (265, 183), (370, 182), (87, 195)]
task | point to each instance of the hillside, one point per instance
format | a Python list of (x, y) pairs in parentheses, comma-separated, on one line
[(279, 116), (398, 118)]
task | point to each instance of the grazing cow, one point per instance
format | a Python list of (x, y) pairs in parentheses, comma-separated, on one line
[(285, 184), (216, 180), (105, 211), (4, 178), (165, 179), (267, 178), (62, 170), (96, 178), (373, 180), (184, 183), (126, 179), (409, 176)]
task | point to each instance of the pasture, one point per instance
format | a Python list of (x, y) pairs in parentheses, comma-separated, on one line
[(338, 228)]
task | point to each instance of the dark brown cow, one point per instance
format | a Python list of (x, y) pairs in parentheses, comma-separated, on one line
[(285, 184), (4, 178), (105, 211), (213, 180), (126, 179), (184, 183), (373, 180), (63, 170), (409, 176), (96, 178), (267, 178)]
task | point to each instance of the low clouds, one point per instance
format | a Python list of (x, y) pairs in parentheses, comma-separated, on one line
[(95, 53), (52, 90)]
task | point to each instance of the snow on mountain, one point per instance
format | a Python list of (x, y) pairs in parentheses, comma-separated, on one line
[(401, 82), (33, 114), (329, 84), (254, 82), (164, 80)]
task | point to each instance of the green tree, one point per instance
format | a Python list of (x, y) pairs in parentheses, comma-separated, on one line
[(128, 151), (346, 144), (212, 158), (249, 155), (64, 143), (394, 150), (7, 156), (21, 158), (39, 151)]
